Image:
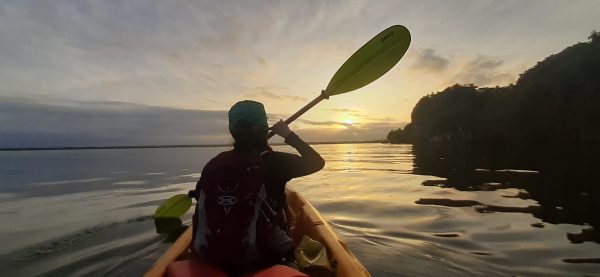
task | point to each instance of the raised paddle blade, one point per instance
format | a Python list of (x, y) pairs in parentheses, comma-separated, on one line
[(371, 61), (175, 206)]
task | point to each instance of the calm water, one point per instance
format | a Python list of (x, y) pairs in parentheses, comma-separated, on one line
[(88, 212)]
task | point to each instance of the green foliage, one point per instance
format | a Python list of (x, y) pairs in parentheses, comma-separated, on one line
[(401, 135), (557, 100)]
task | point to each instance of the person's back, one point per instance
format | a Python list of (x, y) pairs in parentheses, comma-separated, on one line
[(239, 219), (230, 202)]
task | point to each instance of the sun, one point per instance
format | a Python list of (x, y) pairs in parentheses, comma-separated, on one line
[(348, 121)]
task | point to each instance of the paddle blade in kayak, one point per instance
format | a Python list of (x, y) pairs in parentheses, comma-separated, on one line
[(175, 206)]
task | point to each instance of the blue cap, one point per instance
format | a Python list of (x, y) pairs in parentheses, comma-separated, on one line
[(250, 111)]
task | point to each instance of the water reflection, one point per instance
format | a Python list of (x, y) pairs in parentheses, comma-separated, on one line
[(367, 192), (563, 180)]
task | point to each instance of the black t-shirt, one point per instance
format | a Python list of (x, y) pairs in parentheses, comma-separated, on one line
[(282, 167)]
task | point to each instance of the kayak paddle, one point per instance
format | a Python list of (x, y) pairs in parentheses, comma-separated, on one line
[(175, 206), (366, 65)]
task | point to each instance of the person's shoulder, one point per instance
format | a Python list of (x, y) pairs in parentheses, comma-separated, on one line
[(219, 158), (224, 154)]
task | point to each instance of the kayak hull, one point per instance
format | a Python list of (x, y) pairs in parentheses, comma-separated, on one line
[(304, 220)]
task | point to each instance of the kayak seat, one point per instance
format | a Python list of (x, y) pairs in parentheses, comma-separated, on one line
[(196, 268), (277, 271), (192, 268)]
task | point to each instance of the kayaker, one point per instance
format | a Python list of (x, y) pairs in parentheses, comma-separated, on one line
[(239, 219)]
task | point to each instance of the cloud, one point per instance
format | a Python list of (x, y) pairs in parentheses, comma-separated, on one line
[(324, 123), (331, 131), (362, 132), (341, 110), (357, 114), (53, 123), (428, 60), (484, 71), (372, 118), (172, 54), (262, 93)]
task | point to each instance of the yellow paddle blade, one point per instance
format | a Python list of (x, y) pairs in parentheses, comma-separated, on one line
[(371, 61), (175, 206)]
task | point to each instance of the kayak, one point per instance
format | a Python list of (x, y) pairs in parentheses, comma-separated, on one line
[(304, 221)]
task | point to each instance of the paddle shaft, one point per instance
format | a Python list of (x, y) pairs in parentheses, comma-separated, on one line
[(302, 111)]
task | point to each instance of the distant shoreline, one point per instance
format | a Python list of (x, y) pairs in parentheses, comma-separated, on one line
[(163, 146)]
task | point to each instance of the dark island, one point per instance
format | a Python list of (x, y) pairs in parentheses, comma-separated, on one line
[(555, 101)]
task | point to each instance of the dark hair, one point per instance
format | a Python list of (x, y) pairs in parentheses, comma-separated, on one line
[(248, 138)]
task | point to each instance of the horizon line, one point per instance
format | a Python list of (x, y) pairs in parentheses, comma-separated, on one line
[(165, 146)]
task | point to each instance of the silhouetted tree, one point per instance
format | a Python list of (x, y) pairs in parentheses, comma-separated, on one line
[(594, 36)]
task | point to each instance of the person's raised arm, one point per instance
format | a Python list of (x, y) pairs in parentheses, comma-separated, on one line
[(309, 161)]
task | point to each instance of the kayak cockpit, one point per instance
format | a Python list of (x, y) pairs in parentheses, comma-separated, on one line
[(304, 221)]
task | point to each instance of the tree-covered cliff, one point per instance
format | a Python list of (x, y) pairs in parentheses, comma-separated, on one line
[(557, 100)]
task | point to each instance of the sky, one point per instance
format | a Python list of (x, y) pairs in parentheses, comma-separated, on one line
[(84, 72)]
